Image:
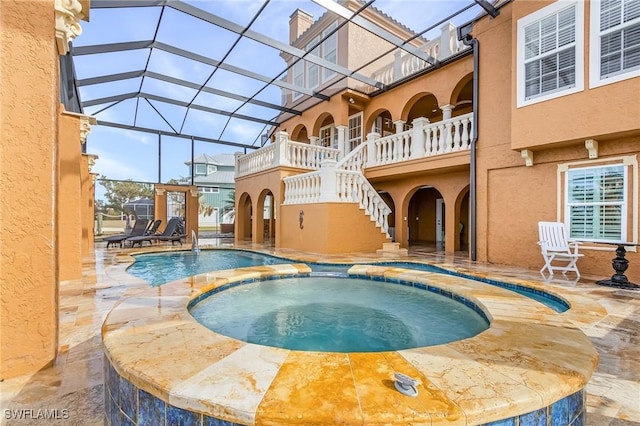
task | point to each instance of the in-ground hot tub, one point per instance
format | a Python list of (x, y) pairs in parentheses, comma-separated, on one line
[(162, 365)]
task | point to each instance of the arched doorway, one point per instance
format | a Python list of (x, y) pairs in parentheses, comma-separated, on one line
[(462, 206), (266, 217), (425, 219), (244, 217)]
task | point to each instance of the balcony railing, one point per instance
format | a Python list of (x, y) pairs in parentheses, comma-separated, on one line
[(423, 140), (283, 152), (406, 64)]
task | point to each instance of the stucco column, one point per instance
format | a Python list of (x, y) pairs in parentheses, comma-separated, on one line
[(343, 149), (30, 122), (446, 111), (257, 224), (451, 226)]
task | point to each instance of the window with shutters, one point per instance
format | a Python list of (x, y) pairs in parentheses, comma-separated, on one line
[(550, 52), (599, 199), (615, 41)]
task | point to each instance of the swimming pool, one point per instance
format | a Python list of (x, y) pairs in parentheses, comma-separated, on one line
[(163, 367), (337, 315), (161, 268)]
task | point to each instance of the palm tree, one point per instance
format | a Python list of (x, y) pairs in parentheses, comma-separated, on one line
[(229, 208)]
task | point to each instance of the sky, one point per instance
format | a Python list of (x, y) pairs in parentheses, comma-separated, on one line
[(128, 154)]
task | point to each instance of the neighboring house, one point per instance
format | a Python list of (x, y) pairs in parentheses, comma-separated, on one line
[(558, 138), (214, 176), (142, 208)]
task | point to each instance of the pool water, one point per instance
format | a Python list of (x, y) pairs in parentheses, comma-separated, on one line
[(161, 268), (337, 315)]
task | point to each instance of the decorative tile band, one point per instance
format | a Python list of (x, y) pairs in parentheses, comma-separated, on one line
[(127, 405)]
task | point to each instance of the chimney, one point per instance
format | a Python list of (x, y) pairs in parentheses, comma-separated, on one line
[(299, 22)]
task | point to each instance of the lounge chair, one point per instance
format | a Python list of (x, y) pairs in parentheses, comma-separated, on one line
[(138, 229), (177, 235), (153, 227), (170, 230), (556, 247)]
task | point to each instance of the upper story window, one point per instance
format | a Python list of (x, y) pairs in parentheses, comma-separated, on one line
[(298, 77), (615, 41), (550, 53), (330, 49), (201, 170), (313, 70), (204, 169)]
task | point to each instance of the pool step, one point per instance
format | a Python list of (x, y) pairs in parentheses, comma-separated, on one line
[(328, 274)]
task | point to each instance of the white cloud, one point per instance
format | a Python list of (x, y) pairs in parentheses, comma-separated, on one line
[(117, 170)]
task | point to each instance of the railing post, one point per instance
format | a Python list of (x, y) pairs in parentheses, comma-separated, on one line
[(281, 158), (236, 157), (328, 181), (397, 65), (447, 38), (371, 148), (418, 137), (314, 140)]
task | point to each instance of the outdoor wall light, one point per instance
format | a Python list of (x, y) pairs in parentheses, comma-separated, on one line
[(352, 101)]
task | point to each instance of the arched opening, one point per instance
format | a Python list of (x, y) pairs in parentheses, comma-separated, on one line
[(426, 219), (381, 123), (462, 96), (462, 209), (265, 215), (326, 131), (426, 105), (299, 134), (244, 217)]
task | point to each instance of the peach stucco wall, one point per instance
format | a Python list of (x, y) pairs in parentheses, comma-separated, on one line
[(28, 159), (88, 188), (511, 197), (69, 205), (329, 228), (590, 113)]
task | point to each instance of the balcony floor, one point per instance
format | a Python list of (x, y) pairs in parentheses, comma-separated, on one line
[(75, 381)]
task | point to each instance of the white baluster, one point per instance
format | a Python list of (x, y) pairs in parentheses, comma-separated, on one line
[(448, 137), (465, 133), (456, 135)]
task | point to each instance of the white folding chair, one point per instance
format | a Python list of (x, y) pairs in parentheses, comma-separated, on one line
[(557, 248)]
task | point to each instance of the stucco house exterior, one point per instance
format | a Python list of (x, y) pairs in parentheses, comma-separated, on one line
[(526, 116), (529, 115)]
